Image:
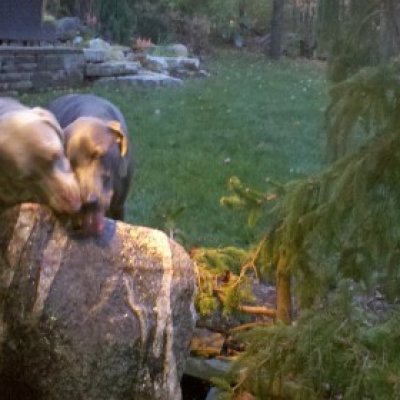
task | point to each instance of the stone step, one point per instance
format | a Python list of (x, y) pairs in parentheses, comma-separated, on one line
[(111, 69), (145, 79), (94, 55), (158, 63)]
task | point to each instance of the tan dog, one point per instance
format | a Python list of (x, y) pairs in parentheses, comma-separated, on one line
[(96, 143), (33, 166)]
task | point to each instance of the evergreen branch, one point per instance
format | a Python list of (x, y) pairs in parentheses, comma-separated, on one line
[(250, 325)]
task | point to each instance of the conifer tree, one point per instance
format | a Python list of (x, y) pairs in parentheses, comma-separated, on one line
[(333, 238)]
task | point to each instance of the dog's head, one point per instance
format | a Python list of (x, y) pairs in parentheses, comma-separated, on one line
[(34, 163), (97, 151)]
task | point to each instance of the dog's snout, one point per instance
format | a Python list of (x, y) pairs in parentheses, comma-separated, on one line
[(90, 204)]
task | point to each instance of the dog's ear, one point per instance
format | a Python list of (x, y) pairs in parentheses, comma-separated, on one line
[(48, 118), (116, 129)]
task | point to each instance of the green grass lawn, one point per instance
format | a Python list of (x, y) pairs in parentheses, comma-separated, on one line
[(251, 118)]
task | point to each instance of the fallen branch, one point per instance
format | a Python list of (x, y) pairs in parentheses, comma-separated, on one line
[(258, 310)]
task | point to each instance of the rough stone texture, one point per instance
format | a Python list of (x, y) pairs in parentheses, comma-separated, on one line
[(98, 43), (162, 64), (115, 53), (179, 50), (145, 79), (111, 68), (213, 394), (154, 63), (206, 369), (38, 68), (190, 63), (108, 318), (69, 27), (94, 55)]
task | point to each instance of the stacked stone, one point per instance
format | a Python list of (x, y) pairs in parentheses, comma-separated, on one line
[(38, 68)]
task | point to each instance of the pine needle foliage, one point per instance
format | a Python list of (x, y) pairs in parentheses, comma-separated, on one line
[(337, 224), (364, 105), (337, 231), (341, 351), (222, 285), (357, 33)]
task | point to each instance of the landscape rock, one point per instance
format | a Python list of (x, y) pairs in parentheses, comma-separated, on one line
[(111, 68), (190, 63), (112, 52), (115, 53), (179, 50), (206, 343), (68, 28), (93, 55), (213, 394), (203, 73), (98, 43), (144, 79), (91, 318), (206, 369), (161, 64), (155, 63)]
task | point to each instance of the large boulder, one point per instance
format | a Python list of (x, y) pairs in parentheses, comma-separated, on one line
[(108, 318), (111, 52), (68, 28), (99, 44), (178, 50)]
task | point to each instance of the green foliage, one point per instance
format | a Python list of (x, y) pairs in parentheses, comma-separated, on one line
[(220, 277), (366, 104), (229, 16), (339, 223), (342, 350), (153, 21), (162, 51), (350, 32), (116, 19), (338, 232)]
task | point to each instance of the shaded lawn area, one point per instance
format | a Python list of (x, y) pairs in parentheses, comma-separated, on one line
[(251, 118)]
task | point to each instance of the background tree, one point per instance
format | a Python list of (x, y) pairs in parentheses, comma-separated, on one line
[(277, 20)]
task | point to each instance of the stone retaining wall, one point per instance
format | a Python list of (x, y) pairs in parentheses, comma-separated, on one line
[(39, 68)]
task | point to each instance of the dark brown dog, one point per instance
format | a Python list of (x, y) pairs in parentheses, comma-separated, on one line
[(96, 143), (33, 167)]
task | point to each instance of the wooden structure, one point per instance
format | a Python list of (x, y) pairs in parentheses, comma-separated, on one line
[(21, 20)]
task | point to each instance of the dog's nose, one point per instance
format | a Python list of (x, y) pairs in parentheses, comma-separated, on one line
[(91, 204)]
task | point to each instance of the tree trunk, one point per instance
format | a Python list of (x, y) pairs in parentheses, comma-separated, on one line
[(283, 291), (391, 29), (275, 49)]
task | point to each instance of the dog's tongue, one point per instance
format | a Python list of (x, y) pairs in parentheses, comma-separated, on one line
[(93, 222)]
